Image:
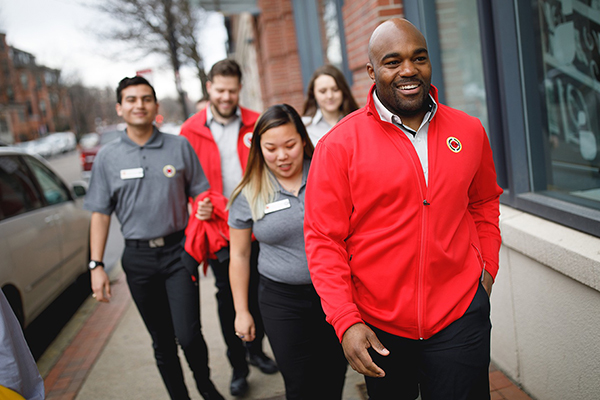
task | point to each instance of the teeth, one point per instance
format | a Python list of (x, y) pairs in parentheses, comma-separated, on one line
[(408, 87)]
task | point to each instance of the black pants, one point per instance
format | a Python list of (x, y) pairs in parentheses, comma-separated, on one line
[(236, 348), (307, 350), (451, 365), (169, 301)]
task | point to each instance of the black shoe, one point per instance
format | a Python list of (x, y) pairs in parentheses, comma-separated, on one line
[(239, 384), (266, 365), (212, 393)]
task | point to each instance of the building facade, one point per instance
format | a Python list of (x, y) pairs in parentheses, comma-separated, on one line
[(33, 103), (530, 70)]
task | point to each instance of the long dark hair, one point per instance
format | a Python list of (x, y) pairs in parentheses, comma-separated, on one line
[(348, 103), (257, 183)]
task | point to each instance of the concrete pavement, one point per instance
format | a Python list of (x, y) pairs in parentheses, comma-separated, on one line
[(105, 353)]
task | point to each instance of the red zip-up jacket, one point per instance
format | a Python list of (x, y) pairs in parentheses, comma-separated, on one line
[(384, 247), (201, 139)]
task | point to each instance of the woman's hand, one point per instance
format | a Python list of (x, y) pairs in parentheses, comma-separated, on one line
[(244, 326)]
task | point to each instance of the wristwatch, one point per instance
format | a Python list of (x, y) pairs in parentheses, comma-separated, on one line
[(93, 264)]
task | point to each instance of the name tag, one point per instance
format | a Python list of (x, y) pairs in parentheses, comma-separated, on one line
[(132, 173), (278, 205)]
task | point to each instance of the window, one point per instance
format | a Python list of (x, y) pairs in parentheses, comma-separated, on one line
[(461, 57), (43, 107), (17, 190), (566, 36), (53, 189), (24, 80)]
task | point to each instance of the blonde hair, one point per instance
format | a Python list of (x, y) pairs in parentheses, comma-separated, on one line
[(258, 184)]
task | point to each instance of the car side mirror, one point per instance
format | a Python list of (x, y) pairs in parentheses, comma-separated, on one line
[(79, 188)]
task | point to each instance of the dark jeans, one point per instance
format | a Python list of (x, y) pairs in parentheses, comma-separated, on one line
[(236, 348), (451, 365), (307, 350), (168, 299)]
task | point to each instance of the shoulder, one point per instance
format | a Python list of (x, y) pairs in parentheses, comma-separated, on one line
[(350, 126), (194, 124), (249, 117), (447, 114), (115, 147)]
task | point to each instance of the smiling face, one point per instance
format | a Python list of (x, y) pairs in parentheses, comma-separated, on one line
[(283, 150), (400, 67), (328, 95), (224, 96), (138, 106)]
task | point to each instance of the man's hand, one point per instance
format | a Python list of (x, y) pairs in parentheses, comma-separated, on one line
[(205, 210), (487, 282), (100, 285), (356, 340)]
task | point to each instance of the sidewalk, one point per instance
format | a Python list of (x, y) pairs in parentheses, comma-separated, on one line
[(105, 353)]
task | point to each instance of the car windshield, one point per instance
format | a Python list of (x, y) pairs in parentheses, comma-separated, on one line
[(109, 136)]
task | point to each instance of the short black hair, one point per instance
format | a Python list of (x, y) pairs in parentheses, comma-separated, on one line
[(226, 67), (136, 80)]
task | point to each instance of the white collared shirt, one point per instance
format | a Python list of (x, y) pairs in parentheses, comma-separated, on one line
[(226, 138), (316, 127), (418, 138)]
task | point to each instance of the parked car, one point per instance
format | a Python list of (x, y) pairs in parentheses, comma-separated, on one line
[(88, 154), (44, 233)]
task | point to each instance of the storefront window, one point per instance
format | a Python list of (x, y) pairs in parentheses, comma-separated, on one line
[(568, 37), (462, 64), (332, 43)]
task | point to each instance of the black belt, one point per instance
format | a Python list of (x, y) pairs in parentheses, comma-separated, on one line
[(168, 240)]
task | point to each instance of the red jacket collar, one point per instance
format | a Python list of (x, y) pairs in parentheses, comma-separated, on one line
[(201, 120)]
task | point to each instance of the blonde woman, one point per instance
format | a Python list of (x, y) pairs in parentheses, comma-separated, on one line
[(269, 203)]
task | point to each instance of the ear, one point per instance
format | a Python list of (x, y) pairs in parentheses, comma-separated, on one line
[(119, 111), (208, 86), (371, 71)]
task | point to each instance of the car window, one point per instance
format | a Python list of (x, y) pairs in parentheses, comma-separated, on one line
[(17, 189), (53, 189)]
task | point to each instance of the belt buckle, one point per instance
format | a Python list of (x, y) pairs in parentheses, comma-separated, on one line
[(158, 242)]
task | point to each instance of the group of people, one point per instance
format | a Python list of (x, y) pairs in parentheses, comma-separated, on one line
[(366, 237)]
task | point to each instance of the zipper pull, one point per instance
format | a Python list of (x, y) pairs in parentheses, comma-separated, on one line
[(425, 203)]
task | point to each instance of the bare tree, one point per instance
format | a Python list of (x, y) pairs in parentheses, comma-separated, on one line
[(166, 27)]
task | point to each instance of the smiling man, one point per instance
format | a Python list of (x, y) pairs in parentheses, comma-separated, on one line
[(401, 231), (146, 177)]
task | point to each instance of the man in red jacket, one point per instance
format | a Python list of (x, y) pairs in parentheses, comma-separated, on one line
[(221, 134), (401, 228)]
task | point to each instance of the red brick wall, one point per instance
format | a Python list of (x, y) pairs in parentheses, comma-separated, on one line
[(279, 63), (361, 17)]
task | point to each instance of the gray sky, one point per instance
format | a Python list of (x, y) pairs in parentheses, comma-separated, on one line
[(60, 34)]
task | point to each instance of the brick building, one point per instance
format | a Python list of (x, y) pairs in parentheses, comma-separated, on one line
[(529, 71), (33, 103)]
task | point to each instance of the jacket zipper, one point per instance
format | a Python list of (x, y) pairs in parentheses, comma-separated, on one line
[(421, 268)]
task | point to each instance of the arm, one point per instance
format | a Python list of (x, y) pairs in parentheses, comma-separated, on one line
[(98, 235), (484, 207), (240, 241), (328, 212)]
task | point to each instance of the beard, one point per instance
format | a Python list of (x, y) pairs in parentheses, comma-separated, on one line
[(223, 114), (401, 105)]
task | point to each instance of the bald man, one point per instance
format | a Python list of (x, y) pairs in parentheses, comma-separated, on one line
[(401, 229)]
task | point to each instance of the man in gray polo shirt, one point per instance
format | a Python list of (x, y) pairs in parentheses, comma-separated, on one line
[(146, 178)]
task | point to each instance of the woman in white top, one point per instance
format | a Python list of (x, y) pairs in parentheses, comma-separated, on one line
[(328, 99)]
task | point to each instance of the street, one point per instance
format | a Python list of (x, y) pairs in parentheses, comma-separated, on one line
[(44, 329)]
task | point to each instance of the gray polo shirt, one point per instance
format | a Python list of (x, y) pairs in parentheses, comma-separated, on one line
[(146, 186), (282, 257)]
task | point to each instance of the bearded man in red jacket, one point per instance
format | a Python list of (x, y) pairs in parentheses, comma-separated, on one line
[(401, 229), (221, 134)]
